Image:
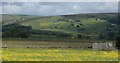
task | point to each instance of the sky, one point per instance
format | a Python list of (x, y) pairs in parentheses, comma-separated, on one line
[(57, 8), (60, 0)]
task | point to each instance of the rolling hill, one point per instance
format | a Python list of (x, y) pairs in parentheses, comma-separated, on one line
[(86, 25)]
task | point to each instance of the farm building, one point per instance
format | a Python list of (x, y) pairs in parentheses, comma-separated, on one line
[(103, 46)]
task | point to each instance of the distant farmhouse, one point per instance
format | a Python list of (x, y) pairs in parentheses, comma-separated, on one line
[(104, 46)]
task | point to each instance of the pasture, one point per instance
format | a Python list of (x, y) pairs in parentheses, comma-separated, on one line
[(57, 54), (50, 43), (72, 26), (53, 51)]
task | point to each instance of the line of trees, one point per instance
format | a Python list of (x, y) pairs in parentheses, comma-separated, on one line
[(15, 31)]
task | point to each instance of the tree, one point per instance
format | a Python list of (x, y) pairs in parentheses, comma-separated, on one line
[(101, 36), (118, 41), (72, 24), (113, 20), (16, 31), (23, 34), (79, 36), (110, 35)]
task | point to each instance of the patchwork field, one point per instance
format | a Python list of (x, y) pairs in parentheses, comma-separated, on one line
[(92, 26)]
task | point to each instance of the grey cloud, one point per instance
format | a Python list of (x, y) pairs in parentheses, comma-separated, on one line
[(57, 8)]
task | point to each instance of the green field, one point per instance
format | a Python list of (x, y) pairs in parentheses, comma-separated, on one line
[(90, 24), (73, 25)]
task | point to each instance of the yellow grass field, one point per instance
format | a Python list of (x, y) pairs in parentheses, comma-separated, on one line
[(57, 54)]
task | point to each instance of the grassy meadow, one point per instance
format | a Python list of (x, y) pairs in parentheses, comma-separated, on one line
[(57, 54), (20, 50)]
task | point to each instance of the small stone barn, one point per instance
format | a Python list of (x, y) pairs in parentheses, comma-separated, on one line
[(104, 46)]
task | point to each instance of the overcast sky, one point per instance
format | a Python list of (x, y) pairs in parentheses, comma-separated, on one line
[(60, 0), (57, 8)]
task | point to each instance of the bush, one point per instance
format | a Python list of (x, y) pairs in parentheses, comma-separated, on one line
[(102, 36), (79, 36), (14, 33), (118, 41)]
